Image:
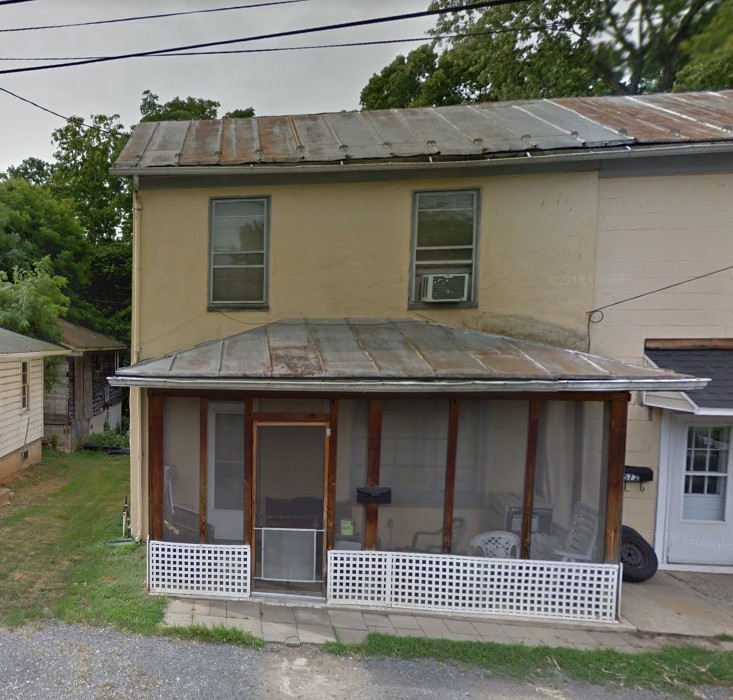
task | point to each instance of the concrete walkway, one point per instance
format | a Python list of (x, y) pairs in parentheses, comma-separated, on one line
[(659, 612)]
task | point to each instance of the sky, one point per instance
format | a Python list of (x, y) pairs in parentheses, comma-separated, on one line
[(285, 82)]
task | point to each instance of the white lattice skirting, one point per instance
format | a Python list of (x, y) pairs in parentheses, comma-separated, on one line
[(547, 589), (213, 570)]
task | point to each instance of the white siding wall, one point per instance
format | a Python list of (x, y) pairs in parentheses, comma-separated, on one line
[(18, 427)]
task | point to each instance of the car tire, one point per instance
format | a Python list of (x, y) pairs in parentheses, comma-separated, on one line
[(638, 558)]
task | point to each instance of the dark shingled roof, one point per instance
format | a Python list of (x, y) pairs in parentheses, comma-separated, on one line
[(714, 363)]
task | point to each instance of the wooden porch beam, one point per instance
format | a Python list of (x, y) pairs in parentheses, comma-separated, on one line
[(249, 509), (374, 454), (203, 467), (155, 465), (330, 500), (450, 475), (530, 468), (616, 458)]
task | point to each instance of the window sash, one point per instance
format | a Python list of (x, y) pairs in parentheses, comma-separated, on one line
[(238, 256), (438, 218), (24, 385)]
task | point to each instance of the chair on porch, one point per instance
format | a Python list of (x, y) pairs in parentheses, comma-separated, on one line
[(580, 541), (497, 543), (459, 528)]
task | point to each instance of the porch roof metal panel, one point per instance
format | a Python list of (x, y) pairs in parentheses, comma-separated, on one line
[(359, 353), (716, 363), (564, 125)]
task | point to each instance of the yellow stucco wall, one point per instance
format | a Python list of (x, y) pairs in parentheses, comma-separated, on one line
[(344, 250)]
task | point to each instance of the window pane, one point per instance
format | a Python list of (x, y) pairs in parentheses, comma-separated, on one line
[(450, 255), (238, 284), (445, 228), (238, 240)]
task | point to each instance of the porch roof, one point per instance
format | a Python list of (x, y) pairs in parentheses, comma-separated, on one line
[(380, 355)]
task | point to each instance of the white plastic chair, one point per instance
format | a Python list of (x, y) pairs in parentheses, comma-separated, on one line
[(497, 543), (580, 541)]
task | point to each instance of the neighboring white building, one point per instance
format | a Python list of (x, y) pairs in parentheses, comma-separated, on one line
[(21, 399)]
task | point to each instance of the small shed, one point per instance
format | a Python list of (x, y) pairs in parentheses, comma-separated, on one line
[(21, 399), (82, 401)]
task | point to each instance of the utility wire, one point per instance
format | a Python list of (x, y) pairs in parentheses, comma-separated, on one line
[(14, 2), (75, 120), (145, 17), (600, 309), (271, 35)]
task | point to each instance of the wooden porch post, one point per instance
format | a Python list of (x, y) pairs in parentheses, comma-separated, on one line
[(618, 415), (248, 473), (203, 466), (450, 475), (374, 453), (530, 468), (155, 464), (331, 475)]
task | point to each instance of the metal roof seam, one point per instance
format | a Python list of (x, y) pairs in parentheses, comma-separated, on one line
[(529, 357), (361, 345), (679, 115), (414, 347)]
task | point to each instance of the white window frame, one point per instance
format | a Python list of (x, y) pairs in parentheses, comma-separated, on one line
[(417, 270), (257, 304), (25, 386)]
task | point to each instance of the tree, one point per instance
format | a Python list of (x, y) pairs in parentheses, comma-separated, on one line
[(102, 203), (34, 170), (548, 49), (32, 301), (710, 65), (34, 225), (177, 109)]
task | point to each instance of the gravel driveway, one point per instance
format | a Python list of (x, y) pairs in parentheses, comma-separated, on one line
[(68, 662)]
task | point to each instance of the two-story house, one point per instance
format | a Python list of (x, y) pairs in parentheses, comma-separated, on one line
[(360, 345)]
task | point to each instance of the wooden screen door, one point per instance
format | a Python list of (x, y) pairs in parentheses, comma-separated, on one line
[(289, 507)]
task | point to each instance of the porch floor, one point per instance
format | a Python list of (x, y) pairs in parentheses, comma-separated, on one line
[(655, 613)]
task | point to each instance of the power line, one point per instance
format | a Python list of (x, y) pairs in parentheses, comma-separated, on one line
[(145, 17), (75, 120), (272, 35), (14, 2)]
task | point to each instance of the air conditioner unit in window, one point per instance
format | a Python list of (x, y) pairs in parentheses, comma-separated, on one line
[(441, 287)]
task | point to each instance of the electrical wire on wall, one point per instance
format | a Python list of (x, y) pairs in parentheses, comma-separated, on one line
[(596, 315)]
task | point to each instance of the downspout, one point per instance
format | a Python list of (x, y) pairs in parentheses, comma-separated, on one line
[(136, 450)]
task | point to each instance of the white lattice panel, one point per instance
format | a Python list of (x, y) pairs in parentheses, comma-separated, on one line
[(548, 589), (213, 570)]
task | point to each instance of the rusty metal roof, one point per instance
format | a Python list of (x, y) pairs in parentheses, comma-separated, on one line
[(462, 132), (79, 338), (409, 355), (16, 344)]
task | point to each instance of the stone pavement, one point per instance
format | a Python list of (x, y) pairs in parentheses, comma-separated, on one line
[(676, 615)]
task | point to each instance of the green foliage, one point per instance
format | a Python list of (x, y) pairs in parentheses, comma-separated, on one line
[(34, 170), (102, 203), (111, 437), (545, 49), (710, 52), (178, 109), (31, 301), (35, 224)]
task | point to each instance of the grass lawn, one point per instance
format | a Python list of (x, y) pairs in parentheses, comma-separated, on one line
[(54, 562), (674, 670)]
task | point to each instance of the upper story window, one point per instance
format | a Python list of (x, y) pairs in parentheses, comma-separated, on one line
[(444, 247), (238, 249), (25, 386)]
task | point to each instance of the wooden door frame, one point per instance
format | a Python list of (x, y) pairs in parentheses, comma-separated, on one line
[(328, 492)]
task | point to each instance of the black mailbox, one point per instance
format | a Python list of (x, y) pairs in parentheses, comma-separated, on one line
[(638, 474), (374, 494)]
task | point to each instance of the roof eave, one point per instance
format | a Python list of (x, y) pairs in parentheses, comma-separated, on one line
[(431, 162), (411, 386)]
